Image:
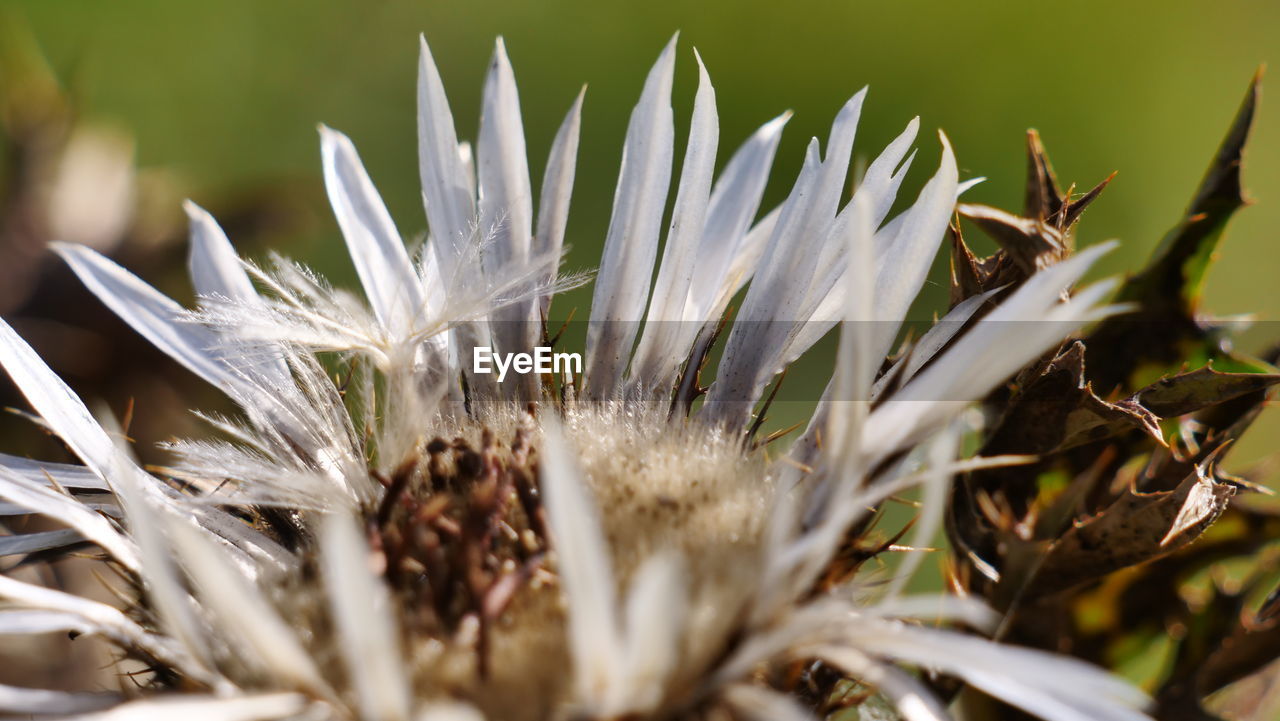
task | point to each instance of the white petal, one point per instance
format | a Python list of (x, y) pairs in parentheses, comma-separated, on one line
[(756, 334), (780, 298), (744, 262), (661, 348), (883, 176), (144, 507), (907, 262), (98, 618), (934, 495), (506, 211), (586, 574), (911, 698), (506, 199), (151, 314), (1024, 326), (215, 267), (937, 608), (622, 284), (216, 270), (64, 474), (68, 417), (735, 199), (85, 522), (941, 333), (194, 707), (24, 543), (1054, 687), (243, 614), (446, 190), (364, 618), (855, 365), (656, 610), (30, 622), (256, 377), (804, 451), (801, 236), (379, 255), (557, 187), (22, 701), (106, 509)]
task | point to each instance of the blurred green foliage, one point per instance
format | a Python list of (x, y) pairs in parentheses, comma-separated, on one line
[(228, 94)]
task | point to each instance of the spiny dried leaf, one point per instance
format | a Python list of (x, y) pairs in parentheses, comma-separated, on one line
[(1031, 243), (1169, 397), (1037, 239), (1137, 528), (1190, 392), (1164, 330), (972, 276), (1045, 200), (1059, 410), (1183, 256), (1205, 441)]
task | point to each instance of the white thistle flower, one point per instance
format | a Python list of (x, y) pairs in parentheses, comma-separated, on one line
[(426, 543)]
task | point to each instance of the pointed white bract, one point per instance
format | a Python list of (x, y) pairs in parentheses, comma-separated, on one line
[(39, 541), (447, 192), (1031, 319), (622, 283), (557, 188), (676, 273), (622, 653), (34, 497), (243, 614), (249, 707), (265, 556), (906, 262), (365, 618), (506, 210), (376, 250), (98, 619), (777, 303), (151, 314), (18, 700), (586, 572), (218, 273), (730, 246)]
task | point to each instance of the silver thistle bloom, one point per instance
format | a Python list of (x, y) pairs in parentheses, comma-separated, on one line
[(422, 542)]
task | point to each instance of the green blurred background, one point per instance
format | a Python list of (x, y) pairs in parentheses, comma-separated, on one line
[(225, 98)]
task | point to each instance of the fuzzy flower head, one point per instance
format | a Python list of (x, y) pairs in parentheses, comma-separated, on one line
[(409, 538)]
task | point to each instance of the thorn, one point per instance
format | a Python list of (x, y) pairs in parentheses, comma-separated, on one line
[(127, 419), (761, 417)]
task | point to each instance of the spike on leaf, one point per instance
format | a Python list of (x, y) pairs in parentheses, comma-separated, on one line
[(1164, 331)]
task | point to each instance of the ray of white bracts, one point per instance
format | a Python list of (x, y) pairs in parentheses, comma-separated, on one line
[(1032, 320), (229, 605), (799, 290), (291, 422), (631, 245), (481, 218)]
